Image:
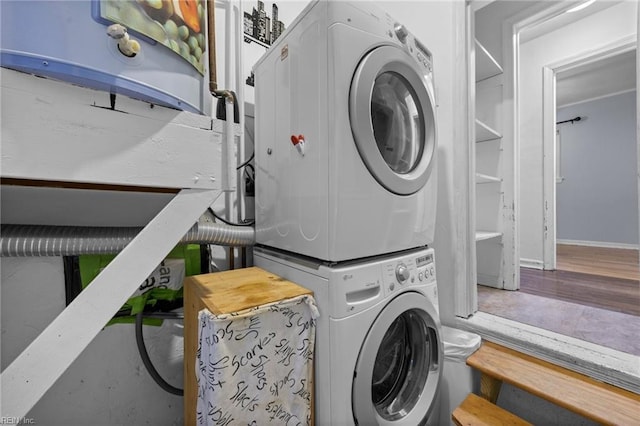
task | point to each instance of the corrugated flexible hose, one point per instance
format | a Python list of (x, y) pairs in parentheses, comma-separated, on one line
[(45, 240)]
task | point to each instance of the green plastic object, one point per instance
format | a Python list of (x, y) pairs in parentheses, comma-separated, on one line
[(91, 265)]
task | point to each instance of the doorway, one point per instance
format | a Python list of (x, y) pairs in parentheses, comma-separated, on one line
[(539, 54), (583, 60), (591, 189)]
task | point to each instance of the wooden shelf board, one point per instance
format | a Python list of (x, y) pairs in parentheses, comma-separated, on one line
[(482, 178), (487, 235)]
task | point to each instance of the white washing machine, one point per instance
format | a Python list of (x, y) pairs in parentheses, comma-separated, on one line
[(379, 353), (345, 136)]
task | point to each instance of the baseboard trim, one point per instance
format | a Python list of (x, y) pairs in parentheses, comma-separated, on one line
[(488, 280), (598, 244), (531, 263)]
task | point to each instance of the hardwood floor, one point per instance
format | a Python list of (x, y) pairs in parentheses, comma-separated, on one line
[(598, 291), (606, 278), (607, 262), (593, 296)]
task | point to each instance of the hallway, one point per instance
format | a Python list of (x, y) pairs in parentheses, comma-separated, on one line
[(575, 303)]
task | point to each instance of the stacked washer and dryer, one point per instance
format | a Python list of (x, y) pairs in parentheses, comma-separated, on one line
[(345, 152)]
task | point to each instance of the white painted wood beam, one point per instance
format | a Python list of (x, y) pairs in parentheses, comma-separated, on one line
[(30, 375), (55, 131)]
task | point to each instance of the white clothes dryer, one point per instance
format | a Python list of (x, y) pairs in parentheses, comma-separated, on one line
[(345, 136), (378, 355)]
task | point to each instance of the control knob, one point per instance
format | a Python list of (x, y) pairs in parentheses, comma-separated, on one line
[(401, 32), (402, 273)]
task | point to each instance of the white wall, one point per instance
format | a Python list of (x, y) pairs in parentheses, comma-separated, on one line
[(599, 29), (597, 200), (107, 384), (288, 10)]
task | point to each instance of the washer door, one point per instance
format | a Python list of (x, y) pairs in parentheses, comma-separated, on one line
[(393, 119), (398, 371)]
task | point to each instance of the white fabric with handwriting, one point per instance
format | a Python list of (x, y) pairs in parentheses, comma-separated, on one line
[(254, 367)]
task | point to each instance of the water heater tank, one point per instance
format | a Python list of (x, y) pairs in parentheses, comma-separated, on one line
[(68, 40)]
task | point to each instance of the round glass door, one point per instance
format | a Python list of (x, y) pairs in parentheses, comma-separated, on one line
[(398, 370), (392, 119), (398, 124)]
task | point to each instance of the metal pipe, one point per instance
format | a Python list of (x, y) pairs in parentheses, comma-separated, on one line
[(211, 38), (45, 240)]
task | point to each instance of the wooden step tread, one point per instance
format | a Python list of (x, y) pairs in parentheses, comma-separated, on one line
[(576, 392), (477, 411)]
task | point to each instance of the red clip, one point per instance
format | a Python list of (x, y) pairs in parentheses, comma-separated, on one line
[(298, 142)]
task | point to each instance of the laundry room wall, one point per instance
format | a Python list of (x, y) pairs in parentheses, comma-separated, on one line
[(108, 383), (597, 199), (288, 10), (599, 29)]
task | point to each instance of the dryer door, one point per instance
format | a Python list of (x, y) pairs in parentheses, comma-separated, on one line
[(392, 119), (399, 368)]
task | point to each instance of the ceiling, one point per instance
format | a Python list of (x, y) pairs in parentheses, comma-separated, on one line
[(610, 75), (600, 78), (561, 18), (607, 76)]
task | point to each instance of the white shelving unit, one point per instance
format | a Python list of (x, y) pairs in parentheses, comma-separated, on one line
[(488, 177)]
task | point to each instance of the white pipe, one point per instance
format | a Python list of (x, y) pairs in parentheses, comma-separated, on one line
[(228, 168), (240, 101), (228, 151)]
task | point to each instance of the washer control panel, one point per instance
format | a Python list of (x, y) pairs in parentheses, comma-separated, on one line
[(417, 269), (354, 288)]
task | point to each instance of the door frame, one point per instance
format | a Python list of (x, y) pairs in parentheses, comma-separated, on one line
[(550, 71)]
